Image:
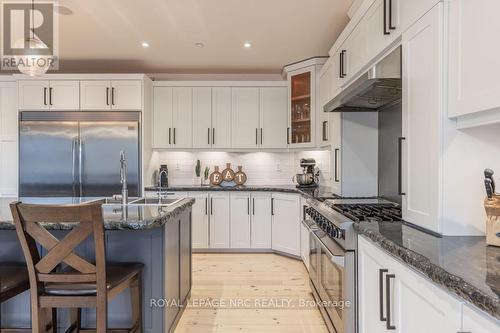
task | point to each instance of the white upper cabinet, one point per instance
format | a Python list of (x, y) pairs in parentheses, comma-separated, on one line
[(211, 117), (172, 117), (64, 95), (423, 76), (285, 211), (182, 117), (202, 117), (240, 220), (245, 117), (49, 95), (95, 95), (162, 117), (221, 117), (126, 95), (120, 95), (355, 50), (473, 58), (273, 117), (33, 95)]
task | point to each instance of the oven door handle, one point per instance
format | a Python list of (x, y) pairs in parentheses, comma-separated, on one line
[(337, 259)]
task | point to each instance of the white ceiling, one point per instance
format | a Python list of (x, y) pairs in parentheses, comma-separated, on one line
[(105, 35)]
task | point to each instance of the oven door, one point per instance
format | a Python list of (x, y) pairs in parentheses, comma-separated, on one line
[(337, 284), (313, 252)]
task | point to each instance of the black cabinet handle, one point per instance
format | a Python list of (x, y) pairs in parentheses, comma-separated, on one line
[(391, 27), (208, 137), (253, 206), (388, 278), (206, 206), (400, 165), (342, 64), (50, 96), (107, 96), (272, 206), (261, 136), (213, 136), (169, 135), (113, 96), (336, 165), (288, 135), (248, 205), (325, 125), (211, 206), (174, 135), (381, 293), (44, 96), (385, 19), (256, 136)]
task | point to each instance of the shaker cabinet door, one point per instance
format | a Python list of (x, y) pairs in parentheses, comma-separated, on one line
[(473, 56), (273, 117), (285, 209), (261, 220), (422, 113), (182, 117), (200, 220), (162, 117), (221, 117), (33, 95), (95, 95), (126, 95), (219, 220), (240, 220), (202, 117), (245, 117), (64, 95)]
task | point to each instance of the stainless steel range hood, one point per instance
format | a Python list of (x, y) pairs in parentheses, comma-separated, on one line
[(377, 88)]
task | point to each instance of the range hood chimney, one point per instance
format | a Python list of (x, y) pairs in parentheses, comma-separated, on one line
[(379, 87)]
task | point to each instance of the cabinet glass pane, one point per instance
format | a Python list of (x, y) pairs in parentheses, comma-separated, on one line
[(301, 108)]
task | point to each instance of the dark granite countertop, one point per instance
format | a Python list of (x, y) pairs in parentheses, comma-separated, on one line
[(464, 265), (319, 193), (116, 216)]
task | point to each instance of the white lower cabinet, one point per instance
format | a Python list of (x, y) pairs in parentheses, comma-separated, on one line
[(219, 220), (200, 221), (261, 221), (285, 211), (304, 237), (395, 298), (475, 322), (240, 220)]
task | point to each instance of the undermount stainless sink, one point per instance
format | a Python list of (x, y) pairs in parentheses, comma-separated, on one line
[(155, 201), (142, 201)]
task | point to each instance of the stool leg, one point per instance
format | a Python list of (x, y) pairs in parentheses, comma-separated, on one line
[(54, 320), (136, 297)]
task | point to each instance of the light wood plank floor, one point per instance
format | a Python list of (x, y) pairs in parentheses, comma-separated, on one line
[(273, 292)]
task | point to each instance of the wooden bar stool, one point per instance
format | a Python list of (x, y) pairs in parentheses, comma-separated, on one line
[(79, 283)]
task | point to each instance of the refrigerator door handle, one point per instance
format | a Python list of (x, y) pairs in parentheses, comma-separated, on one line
[(73, 157), (80, 163)]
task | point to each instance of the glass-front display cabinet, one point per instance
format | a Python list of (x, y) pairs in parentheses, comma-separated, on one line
[(302, 105)]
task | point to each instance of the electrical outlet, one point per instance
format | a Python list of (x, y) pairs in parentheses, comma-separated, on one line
[(177, 166), (278, 167)]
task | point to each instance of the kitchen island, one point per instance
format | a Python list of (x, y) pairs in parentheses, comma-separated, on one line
[(158, 236)]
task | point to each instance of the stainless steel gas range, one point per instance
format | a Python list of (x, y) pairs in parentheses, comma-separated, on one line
[(333, 257)]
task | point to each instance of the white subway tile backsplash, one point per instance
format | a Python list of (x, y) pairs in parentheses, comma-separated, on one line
[(262, 168)]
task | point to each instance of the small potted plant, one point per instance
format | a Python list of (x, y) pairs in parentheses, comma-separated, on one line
[(206, 174), (197, 171)]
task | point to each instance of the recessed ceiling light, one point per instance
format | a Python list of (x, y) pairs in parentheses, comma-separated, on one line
[(145, 44), (199, 44), (247, 45)]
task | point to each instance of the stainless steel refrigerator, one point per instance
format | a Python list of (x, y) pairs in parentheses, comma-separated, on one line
[(77, 154)]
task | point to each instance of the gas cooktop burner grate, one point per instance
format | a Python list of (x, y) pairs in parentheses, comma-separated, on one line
[(370, 212)]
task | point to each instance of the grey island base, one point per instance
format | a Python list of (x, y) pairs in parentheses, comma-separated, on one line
[(158, 237)]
